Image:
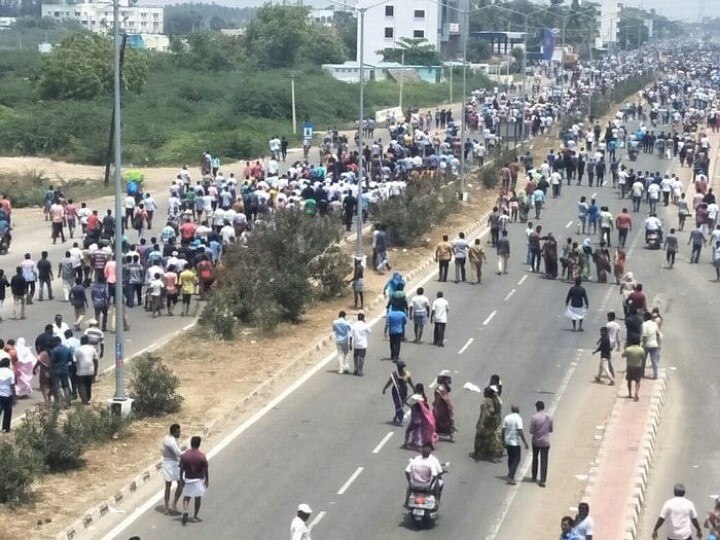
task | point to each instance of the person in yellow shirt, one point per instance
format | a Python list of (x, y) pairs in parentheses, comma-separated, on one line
[(187, 287)]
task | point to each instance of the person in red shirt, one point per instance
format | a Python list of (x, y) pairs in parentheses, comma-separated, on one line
[(623, 224), (187, 232), (195, 475), (93, 222), (636, 299)]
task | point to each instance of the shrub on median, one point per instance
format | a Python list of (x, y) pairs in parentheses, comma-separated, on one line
[(153, 387), (17, 472), (408, 216)]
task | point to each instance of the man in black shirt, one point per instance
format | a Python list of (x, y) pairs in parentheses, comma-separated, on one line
[(45, 276), (19, 288), (577, 304)]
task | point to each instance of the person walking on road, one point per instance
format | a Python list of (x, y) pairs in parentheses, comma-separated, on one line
[(584, 523), (671, 248), (476, 254), (341, 331), (503, 251), (443, 254), (438, 316), (29, 272), (85, 359), (78, 300), (512, 434), (576, 304), (605, 347), (396, 320), (541, 426), (299, 529), (19, 288), (651, 337), (195, 476), (359, 343), (419, 311), (679, 513), (171, 454), (698, 240), (460, 251), (400, 380), (7, 392), (634, 355), (45, 276)]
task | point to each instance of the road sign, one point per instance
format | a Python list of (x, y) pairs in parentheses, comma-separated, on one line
[(307, 132)]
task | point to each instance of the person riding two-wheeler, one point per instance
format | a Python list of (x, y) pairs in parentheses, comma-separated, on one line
[(423, 473), (653, 225)]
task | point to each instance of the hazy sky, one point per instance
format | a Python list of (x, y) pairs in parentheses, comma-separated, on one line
[(688, 10)]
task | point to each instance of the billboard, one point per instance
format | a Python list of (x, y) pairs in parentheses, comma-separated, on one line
[(549, 38)]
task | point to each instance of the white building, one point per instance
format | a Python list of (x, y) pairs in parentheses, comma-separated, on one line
[(387, 24), (97, 16), (608, 31), (322, 16), (6, 22)]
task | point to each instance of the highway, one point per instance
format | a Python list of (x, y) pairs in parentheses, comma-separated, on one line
[(331, 444)]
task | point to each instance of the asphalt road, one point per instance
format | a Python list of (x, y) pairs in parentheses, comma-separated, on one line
[(327, 443)]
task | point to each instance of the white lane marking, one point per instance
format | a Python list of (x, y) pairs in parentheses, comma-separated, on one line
[(467, 344), (490, 318), (350, 480), (510, 496), (522, 279), (509, 295), (317, 519), (385, 439), (568, 224), (152, 501), (605, 183), (594, 195)]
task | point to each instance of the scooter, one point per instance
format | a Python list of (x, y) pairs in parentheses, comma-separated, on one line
[(423, 504), (653, 240)]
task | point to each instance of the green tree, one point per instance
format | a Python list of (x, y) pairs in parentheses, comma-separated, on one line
[(209, 51), (417, 51), (276, 36), (81, 67), (346, 25)]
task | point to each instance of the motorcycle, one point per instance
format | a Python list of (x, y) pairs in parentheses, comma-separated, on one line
[(5, 243), (633, 153), (653, 240), (423, 504)]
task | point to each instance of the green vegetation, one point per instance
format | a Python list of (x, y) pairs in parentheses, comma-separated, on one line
[(272, 278), (414, 52), (28, 188), (425, 202), (154, 387), (228, 94)]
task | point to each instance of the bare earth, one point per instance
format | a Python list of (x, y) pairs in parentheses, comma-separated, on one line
[(216, 376)]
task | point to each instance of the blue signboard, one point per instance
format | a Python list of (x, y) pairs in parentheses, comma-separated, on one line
[(307, 132)]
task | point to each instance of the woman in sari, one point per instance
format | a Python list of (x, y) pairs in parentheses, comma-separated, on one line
[(421, 429), (487, 444), (627, 285), (399, 381), (442, 407), (619, 264), (602, 262), (586, 252), (25, 366), (574, 263), (42, 369), (550, 254)]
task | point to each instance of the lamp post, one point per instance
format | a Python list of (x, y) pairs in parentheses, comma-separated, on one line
[(119, 399), (361, 113)]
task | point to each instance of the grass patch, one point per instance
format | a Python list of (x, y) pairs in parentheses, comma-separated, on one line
[(28, 189)]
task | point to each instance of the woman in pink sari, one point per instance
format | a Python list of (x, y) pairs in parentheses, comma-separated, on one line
[(24, 369), (421, 429)]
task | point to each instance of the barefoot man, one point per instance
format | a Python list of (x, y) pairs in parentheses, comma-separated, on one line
[(171, 467)]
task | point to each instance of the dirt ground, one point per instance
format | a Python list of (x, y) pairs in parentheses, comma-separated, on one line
[(62, 498)]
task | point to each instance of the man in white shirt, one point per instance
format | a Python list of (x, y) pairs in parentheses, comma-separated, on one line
[(59, 327), (653, 224), (512, 434), (171, 466), (359, 343), (679, 513), (460, 249), (422, 471), (438, 315), (299, 529), (653, 193), (419, 311), (637, 191), (7, 392), (85, 358)]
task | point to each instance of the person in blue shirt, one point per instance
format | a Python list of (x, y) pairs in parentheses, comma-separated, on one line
[(567, 528), (395, 321), (341, 331), (592, 217)]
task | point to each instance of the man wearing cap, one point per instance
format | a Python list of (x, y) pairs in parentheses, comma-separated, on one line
[(679, 513), (299, 529)]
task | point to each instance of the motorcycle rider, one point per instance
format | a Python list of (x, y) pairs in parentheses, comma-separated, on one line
[(422, 473), (653, 224)]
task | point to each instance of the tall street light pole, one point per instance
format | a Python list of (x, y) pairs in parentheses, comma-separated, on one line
[(463, 113), (119, 296)]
